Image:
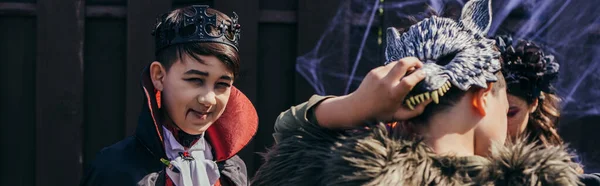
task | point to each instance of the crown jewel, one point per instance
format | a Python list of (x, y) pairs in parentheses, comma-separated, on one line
[(196, 27)]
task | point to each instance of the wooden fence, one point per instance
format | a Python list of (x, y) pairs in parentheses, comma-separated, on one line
[(69, 75)]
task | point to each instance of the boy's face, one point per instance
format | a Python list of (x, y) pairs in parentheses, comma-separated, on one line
[(195, 93), (493, 126)]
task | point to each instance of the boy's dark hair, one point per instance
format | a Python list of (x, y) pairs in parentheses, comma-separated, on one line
[(453, 96), (225, 53)]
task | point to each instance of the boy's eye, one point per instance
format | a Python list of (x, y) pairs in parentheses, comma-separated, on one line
[(223, 85), (195, 80)]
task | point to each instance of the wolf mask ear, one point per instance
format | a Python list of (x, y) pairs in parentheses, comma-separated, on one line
[(393, 48), (477, 15)]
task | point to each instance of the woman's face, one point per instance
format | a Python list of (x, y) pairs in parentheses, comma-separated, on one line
[(518, 115)]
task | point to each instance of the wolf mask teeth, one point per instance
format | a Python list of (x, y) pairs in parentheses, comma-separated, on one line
[(413, 101)]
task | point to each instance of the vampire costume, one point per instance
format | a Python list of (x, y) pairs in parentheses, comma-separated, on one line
[(454, 54), (150, 156)]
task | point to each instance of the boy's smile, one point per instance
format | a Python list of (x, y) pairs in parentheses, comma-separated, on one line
[(199, 115)]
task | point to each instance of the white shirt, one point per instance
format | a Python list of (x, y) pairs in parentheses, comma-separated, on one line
[(201, 171)]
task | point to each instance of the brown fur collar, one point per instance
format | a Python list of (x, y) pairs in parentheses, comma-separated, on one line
[(315, 157)]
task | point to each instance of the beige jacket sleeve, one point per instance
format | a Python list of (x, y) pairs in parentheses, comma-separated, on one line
[(297, 118)]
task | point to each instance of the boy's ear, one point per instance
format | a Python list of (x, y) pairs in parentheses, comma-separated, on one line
[(479, 99), (157, 75)]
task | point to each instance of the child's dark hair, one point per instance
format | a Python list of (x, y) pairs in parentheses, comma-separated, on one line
[(225, 53)]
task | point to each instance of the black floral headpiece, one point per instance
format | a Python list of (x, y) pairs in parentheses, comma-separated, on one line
[(527, 70)]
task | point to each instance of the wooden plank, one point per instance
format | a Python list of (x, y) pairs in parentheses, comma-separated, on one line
[(141, 19), (29, 9), (17, 9), (17, 125), (59, 92), (277, 16), (314, 17), (247, 82), (106, 2), (104, 11), (278, 5), (276, 63), (184, 3), (105, 53), (19, 1), (120, 11)]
